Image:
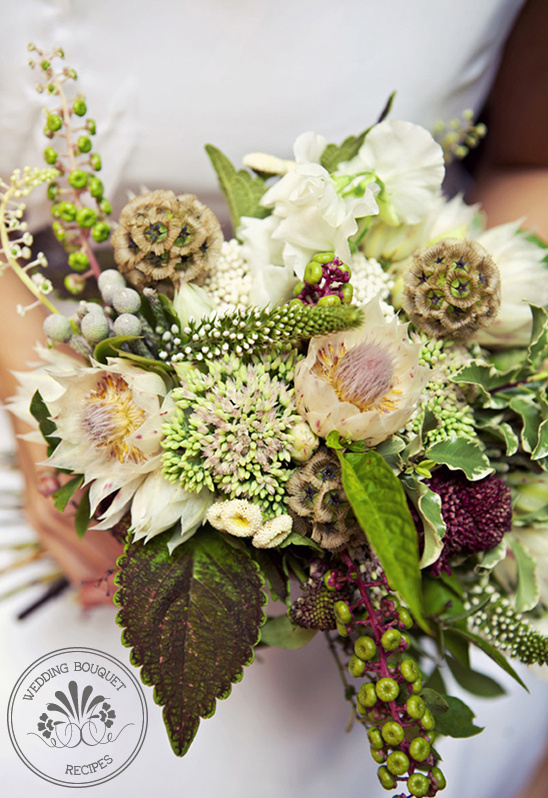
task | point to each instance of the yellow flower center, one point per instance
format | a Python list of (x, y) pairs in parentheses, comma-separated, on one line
[(363, 376), (110, 416)]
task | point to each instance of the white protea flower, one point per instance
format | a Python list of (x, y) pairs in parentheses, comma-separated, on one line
[(408, 165), (109, 419), (364, 383), (523, 279)]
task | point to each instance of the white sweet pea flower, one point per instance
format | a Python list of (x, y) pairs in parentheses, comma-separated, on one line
[(523, 279), (272, 281), (408, 166)]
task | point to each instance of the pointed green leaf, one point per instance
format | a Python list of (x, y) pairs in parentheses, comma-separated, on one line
[(242, 191), (40, 411), (538, 346), (62, 496), (280, 632), (463, 455), (457, 721), (428, 504), (378, 501), (111, 347), (192, 619), (500, 430), (528, 589), (83, 515), (527, 408), (488, 559), (334, 154), (435, 701), (492, 652), (473, 681)]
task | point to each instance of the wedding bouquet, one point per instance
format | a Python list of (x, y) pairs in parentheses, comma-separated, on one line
[(343, 409)]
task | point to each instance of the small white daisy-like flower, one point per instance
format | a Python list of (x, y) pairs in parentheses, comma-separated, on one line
[(238, 517)]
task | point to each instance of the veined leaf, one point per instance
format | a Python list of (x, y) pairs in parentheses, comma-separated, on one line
[(462, 455), (492, 652), (192, 619), (282, 633), (242, 191), (378, 501), (428, 504), (528, 590), (475, 682), (457, 721), (40, 411), (334, 154), (62, 496)]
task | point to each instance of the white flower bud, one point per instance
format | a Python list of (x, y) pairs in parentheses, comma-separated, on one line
[(302, 442)]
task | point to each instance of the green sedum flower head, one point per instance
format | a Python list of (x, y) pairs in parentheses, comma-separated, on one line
[(232, 431)]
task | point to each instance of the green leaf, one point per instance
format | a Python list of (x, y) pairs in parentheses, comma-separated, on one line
[(387, 108), (111, 347), (436, 702), (242, 191), (296, 539), (538, 346), (271, 563), (488, 559), (528, 589), (334, 154), (40, 411), (492, 652), (463, 455), (192, 619), (282, 633), (527, 408), (428, 505), (83, 515), (500, 430), (379, 504), (473, 681), (62, 496), (457, 721)]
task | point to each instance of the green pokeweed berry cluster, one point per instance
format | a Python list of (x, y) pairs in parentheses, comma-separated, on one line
[(388, 703), (79, 207)]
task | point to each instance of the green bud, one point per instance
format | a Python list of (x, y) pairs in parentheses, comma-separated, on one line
[(428, 721), (348, 292), (78, 179), (100, 232), (96, 188), (91, 126), (74, 284), (298, 288), (323, 257), (329, 301), (57, 327), (365, 648), (391, 639), (440, 778), (45, 65), (386, 778), (79, 107), (84, 144), (356, 666), (409, 670), (86, 217), (418, 785), (378, 756), (397, 763), (367, 695), (375, 738), (419, 749), (313, 273), (387, 689), (415, 707), (59, 231), (53, 191), (392, 733), (67, 211), (50, 156), (342, 612), (106, 207), (95, 161)]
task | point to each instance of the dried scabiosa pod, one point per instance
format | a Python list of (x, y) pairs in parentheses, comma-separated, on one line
[(163, 240), (452, 288)]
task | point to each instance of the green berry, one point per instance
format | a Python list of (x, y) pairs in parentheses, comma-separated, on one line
[(378, 756), (391, 639), (95, 161), (365, 648), (415, 707), (50, 156), (313, 273), (405, 618), (409, 670), (59, 231), (342, 612), (356, 666), (385, 778), (54, 122), (397, 763), (387, 689), (367, 695), (57, 327), (428, 721), (375, 738), (96, 188), (78, 261), (100, 232), (86, 217), (45, 65), (392, 732), (437, 774), (416, 686), (79, 107), (324, 257), (106, 207), (53, 191), (418, 785), (91, 126), (84, 143), (78, 178), (298, 288), (67, 211), (54, 210), (348, 292), (419, 748), (342, 629), (74, 284), (329, 301)]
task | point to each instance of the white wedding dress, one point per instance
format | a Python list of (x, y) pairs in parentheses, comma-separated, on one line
[(162, 79)]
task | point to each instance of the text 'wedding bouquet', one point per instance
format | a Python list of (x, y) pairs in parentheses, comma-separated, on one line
[(343, 408)]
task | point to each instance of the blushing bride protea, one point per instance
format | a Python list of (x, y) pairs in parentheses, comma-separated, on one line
[(364, 383)]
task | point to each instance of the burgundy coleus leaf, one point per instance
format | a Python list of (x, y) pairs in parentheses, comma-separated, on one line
[(192, 618)]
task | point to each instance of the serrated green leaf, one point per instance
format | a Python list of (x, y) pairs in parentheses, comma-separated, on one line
[(538, 346), (528, 588), (83, 515), (475, 682), (192, 619), (500, 430), (459, 454), (529, 412), (379, 504), (491, 652), (242, 191), (280, 632), (457, 721), (335, 154), (62, 496), (296, 539), (435, 701)]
